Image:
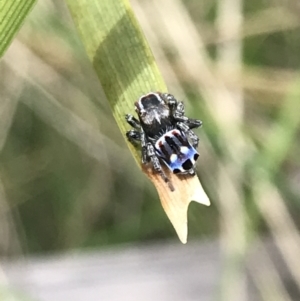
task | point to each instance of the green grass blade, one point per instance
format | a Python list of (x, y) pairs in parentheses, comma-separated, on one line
[(126, 68), (119, 52), (12, 14)]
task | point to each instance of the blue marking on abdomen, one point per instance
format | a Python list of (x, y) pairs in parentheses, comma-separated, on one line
[(171, 159), (177, 164)]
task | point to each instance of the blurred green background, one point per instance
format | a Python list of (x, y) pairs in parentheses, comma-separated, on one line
[(67, 179)]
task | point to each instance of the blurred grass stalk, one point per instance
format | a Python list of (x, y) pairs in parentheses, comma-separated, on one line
[(229, 112), (266, 165)]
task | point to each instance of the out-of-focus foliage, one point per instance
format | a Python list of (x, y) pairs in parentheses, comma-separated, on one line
[(62, 193), (67, 178), (12, 14)]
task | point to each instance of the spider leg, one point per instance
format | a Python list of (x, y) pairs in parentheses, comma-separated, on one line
[(145, 155), (155, 161), (186, 129), (193, 123), (133, 121), (178, 114), (137, 135), (176, 107), (133, 136), (177, 111), (170, 100)]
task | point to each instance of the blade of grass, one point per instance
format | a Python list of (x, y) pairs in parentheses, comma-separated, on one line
[(126, 69), (12, 14)]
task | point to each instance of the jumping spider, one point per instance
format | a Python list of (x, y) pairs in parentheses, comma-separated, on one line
[(164, 133)]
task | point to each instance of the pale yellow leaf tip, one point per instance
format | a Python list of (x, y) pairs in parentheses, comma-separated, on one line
[(176, 203)]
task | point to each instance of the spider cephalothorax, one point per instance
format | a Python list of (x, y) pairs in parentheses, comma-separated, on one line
[(165, 133)]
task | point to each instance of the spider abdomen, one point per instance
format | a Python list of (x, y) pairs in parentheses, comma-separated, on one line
[(175, 150)]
